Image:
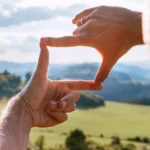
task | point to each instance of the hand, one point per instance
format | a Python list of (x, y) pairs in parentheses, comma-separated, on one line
[(111, 30), (42, 95)]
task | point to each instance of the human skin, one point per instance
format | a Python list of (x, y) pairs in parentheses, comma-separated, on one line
[(112, 31), (42, 103)]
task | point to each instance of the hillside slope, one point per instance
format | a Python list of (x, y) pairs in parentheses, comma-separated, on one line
[(123, 120), (119, 86), (88, 100)]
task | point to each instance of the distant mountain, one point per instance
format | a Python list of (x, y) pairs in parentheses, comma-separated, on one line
[(124, 91), (17, 68), (80, 71), (136, 73), (22, 68), (133, 71), (88, 71), (142, 64), (127, 72), (119, 86), (125, 82)]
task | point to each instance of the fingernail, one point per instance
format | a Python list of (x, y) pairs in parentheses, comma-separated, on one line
[(44, 40)]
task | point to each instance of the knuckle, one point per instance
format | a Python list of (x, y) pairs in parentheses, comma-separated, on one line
[(94, 14), (49, 40), (90, 22), (86, 10), (75, 32), (95, 11), (102, 7), (77, 16)]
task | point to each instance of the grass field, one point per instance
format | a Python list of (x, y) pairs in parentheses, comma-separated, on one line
[(119, 119)]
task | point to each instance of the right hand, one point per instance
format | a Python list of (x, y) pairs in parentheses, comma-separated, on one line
[(112, 31)]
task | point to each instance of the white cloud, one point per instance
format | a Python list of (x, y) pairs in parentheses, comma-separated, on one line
[(20, 42), (26, 48), (134, 4), (53, 27), (66, 3), (24, 15), (15, 55), (6, 13)]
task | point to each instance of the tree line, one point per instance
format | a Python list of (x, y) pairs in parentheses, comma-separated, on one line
[(11, 84), (77, 140)]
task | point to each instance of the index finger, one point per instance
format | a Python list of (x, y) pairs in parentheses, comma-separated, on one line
[(66, 41), (104, 71), (80, 85)]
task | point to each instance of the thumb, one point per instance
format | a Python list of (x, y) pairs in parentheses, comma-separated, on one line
[(104, 71), (43, 62)]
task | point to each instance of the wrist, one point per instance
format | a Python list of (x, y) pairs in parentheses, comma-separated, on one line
[(15, 125), (17, 112)]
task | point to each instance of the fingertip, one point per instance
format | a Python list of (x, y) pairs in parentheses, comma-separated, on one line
[(73, 21), (59, 116), (98, 85), (65, 117), (44, 40), (42, 46), (76, 31)]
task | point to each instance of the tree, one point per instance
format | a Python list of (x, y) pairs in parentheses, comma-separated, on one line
[(40, 143), (9, 84), (14, 81), (76, 140), (146, 140), (116, 140), (6, 73), (28, 76)]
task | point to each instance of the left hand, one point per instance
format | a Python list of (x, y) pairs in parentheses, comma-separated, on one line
[(47, 101)]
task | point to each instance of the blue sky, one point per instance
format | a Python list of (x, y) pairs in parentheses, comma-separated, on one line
[(23, 22)]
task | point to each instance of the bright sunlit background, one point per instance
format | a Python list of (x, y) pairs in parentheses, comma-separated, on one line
[(23, 22), (114, 118)]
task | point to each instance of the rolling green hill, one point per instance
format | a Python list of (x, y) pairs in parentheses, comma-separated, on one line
[(119, 119), (88, 100)]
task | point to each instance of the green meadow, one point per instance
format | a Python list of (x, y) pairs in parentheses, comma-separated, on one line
[(115, 119)]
